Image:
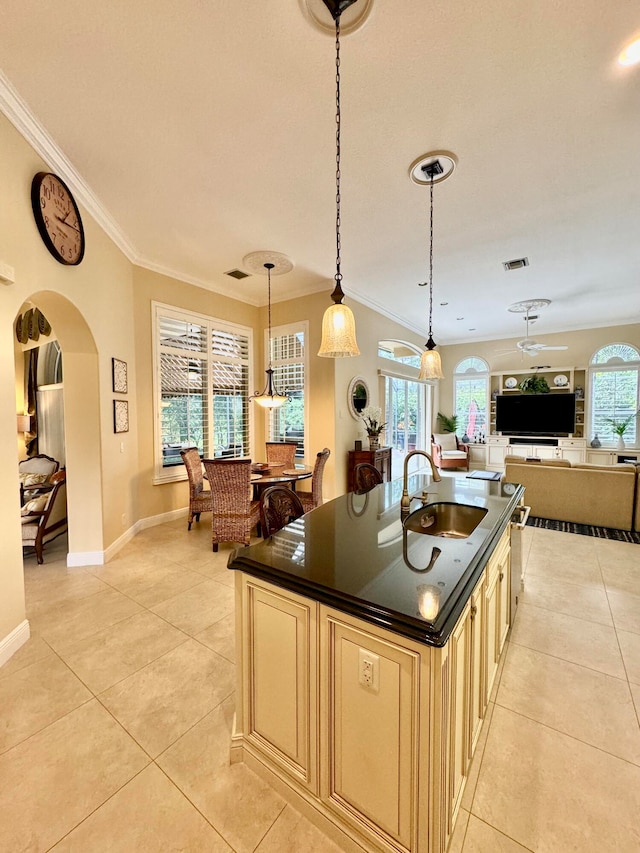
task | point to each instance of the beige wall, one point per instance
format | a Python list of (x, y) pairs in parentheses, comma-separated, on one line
[(581, 347)]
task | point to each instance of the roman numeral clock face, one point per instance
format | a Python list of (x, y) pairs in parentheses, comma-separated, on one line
[(58, 218)]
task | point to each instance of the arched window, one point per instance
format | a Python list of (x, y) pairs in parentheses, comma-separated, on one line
[(614, 392), (471, 397)]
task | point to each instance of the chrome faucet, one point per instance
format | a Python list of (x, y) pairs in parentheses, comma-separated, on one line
[(405, 501)]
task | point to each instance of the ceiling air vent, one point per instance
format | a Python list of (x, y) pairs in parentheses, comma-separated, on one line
[(237, 274), (516, 264)]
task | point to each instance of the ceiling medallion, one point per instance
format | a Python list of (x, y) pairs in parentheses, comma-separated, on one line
[(254, 263), (528, 305), (420, 174), (353, 15)]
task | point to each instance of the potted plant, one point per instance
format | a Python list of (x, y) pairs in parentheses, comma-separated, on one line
[(448, 424), (372, 417), (534, 385), (620, 427)]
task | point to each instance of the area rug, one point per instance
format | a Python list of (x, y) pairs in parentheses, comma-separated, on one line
[(584, 529)]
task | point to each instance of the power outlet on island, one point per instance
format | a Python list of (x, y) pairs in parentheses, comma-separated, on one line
[(368, 670)]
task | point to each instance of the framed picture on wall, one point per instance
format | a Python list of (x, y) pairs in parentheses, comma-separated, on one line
[(120, 416), (119, 374)]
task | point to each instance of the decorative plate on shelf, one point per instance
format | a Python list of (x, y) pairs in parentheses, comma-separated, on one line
[(560, 380), (511, 382)]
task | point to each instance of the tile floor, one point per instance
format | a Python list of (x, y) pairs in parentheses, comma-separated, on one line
[(115, 717)]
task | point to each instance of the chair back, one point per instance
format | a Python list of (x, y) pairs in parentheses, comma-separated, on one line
[(193, 464), (281, 453), (230, 481), (278, 506), (316, 478), (365, 477), (39, 464)]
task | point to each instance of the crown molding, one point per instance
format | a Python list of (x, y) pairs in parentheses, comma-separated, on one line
[(21, 117)]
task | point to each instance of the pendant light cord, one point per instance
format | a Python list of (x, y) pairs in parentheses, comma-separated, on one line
[(337, 294), (431, 256), (269, 267)]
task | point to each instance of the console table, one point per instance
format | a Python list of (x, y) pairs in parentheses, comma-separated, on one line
[(380, 459)]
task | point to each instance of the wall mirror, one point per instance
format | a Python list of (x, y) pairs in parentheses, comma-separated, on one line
[(358, 396)]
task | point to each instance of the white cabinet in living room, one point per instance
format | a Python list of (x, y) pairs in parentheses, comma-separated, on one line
[(540, 451), (497, 449), (573, 449)]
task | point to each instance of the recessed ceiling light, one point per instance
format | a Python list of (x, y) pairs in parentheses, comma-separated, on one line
[(472, 330), (459, 318), (515, 264), (631, 54), (443, 304)]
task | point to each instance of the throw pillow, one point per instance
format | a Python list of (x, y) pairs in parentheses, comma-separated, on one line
[(30, 479), (446, 440), (36, 505)]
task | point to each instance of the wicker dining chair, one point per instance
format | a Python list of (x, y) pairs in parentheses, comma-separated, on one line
[(365, 477), (281, 453), (310, 500), (278, 506), (234, 514), (199, 497)]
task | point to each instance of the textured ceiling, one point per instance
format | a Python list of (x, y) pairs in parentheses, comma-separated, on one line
[(205, 130)]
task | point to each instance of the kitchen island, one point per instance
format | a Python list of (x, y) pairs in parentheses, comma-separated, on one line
[(366, 657)]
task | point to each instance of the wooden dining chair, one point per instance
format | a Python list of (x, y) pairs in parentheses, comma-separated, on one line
[(199, 497), (278, 506), (310, 500), (233, 513), (365, 477), (281, 453)]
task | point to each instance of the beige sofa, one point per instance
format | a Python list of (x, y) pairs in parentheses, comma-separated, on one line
[(606, 496)]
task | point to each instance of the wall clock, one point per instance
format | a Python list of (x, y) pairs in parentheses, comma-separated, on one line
[(58, 218)]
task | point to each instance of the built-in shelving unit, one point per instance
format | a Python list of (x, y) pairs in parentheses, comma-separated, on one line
[(576, 377)]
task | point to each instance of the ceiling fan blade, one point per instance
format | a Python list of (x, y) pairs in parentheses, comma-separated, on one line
[(542, 346)]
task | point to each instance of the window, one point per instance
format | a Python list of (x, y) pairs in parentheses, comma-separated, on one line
[(288, 360), (614, 391), (201, 388), (406, 400), (471, 396)]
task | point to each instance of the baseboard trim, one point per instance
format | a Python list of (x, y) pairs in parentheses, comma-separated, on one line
[(99, 558), (13, 641)]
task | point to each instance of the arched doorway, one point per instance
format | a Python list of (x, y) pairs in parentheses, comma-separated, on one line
[(81, 425)]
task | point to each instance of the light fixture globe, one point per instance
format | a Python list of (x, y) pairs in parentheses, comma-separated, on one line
[(428, 170), (338, 323), (270, 398)]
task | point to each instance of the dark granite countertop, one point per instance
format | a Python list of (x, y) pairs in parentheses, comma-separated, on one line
[(352, 553)]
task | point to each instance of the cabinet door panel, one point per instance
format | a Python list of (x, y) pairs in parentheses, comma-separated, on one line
[(280, 686), (491, 629), (460, 669), (372, 733)]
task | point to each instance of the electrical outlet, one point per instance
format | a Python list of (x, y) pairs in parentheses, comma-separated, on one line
[(368, 670)]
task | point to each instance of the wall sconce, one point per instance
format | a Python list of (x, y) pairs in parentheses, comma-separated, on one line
[(24, 423)]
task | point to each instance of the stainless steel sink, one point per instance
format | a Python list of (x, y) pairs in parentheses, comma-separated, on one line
[(448, 520)]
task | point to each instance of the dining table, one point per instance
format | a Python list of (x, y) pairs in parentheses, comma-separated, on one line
[(276, 475)]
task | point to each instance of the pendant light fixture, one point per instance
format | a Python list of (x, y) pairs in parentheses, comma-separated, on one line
[(338, 323), (431, 169), (270, 398)]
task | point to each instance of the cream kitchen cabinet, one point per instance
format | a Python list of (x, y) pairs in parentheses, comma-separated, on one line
[(573, 449), (363, 729)]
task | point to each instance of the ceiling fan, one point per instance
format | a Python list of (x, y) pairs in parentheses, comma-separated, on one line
[(529, 346)]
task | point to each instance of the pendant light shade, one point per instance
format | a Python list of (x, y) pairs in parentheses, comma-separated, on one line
[(270, 398), (430, 365), (338, 332), (338, 323)]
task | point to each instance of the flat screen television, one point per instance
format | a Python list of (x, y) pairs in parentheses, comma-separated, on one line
[(536, 414)]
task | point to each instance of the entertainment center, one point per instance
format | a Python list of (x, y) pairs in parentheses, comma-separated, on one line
[(544, 426)]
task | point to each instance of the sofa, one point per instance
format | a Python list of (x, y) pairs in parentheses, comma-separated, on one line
[(605, 496)]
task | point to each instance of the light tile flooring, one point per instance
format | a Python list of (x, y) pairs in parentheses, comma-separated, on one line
[(115, 717)]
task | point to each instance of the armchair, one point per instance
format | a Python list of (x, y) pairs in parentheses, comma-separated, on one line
[(448, 451), (35, 475), (45, 517)]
